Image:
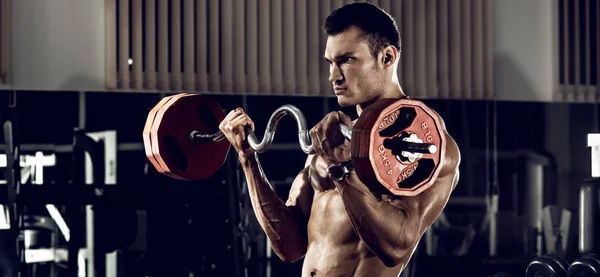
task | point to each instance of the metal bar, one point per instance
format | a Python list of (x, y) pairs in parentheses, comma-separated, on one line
[(60, 221), (81, 111), (108, 261)]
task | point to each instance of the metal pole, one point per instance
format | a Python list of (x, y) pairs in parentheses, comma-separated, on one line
[(533, 213)]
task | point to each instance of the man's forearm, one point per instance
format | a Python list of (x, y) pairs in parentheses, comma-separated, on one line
[(383, 227), (281, 224)]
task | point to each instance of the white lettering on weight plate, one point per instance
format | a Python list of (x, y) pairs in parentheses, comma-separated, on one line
[(389, 119), (384, 158), (425, 127)]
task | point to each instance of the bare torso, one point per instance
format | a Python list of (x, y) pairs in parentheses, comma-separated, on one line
[(334, 248), (344, 228)]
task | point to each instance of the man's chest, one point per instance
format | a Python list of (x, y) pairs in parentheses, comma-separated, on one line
[(329, 220)]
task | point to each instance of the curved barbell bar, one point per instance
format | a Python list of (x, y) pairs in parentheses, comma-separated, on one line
[(303, 134), (265, 144)]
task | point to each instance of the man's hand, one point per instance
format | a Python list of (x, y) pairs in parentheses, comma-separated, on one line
[(233, 129), (327, 140)]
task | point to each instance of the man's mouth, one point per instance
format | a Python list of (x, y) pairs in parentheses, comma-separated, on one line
[(339, 90)]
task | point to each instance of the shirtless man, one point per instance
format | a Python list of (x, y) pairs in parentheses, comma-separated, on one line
[(342, 228)]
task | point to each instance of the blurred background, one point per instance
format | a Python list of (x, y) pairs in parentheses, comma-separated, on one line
[(515, 81)]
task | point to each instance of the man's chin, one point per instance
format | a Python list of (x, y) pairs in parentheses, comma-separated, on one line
[(345, 102)]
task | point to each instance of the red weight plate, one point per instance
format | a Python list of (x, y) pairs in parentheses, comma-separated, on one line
[(147, 130), (172, 147), (155, 126), (375, 163), (157, 121)]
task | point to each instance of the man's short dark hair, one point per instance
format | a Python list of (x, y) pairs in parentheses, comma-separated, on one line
[(378, 27)]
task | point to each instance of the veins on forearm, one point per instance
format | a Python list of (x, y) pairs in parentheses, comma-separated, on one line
[(277, 219), (379, 221)]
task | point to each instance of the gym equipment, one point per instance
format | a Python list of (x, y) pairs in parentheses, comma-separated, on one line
[(382, 132), (555, 228), (589, 203), (396, 143), (111, 222), (185, 158), (548, 265), (586, 266), (100, 215), (534, 168)]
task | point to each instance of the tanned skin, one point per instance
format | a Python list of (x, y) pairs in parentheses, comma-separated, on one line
[(344, 228)]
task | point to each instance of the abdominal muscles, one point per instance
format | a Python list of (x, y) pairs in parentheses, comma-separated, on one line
[(334, 247)]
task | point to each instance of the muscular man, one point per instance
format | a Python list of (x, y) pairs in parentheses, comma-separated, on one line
[(343, 228)]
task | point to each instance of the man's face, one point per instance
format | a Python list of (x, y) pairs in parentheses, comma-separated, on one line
[(354, 73)]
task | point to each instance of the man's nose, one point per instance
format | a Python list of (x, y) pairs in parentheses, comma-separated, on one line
[(335, 75)]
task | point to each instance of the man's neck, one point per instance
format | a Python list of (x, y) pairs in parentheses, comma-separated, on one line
[(394, 92)]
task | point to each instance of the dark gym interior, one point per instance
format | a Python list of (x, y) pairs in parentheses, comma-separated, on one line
[(526, 191)]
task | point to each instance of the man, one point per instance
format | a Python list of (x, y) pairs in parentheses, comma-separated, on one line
[(342, 228)]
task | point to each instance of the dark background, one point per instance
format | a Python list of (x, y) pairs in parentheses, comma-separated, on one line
[(208, 227), (224, 238)]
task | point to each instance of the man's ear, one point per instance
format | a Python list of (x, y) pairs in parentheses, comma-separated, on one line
[(390, 55)]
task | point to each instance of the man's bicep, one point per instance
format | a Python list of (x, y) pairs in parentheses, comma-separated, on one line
[(301, 194)]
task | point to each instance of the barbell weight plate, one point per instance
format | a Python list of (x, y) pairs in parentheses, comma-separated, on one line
[(156, 162), (172, 147), (147, 131), (375, 164), (586, 266), (164, 169), (548, 265)]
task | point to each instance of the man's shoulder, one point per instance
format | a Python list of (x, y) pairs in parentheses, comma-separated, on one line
[(309, 159)]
